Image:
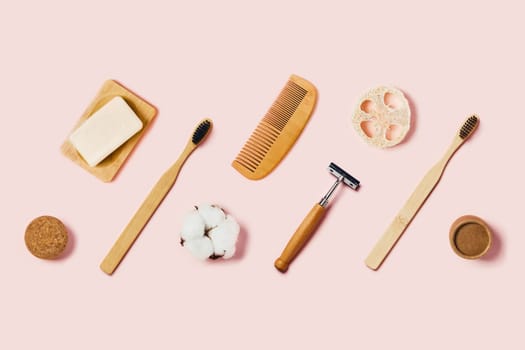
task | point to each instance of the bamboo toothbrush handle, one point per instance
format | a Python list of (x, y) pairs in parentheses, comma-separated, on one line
[(300, 237), (143, 214), (410, 209), (401, 221)]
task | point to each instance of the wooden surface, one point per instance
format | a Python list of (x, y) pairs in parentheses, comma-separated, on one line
[(301, 236), (410, 209), (109, 167), (144, 213), (277, 132)]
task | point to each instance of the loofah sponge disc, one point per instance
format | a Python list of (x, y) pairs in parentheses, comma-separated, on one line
[(382, 117)]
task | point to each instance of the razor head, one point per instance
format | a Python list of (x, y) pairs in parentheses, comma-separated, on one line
[(348, 179)]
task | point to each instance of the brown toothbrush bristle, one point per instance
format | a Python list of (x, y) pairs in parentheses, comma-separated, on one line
[(468, 127)]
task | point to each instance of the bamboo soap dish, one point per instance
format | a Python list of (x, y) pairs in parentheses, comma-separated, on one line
[(110, 166)]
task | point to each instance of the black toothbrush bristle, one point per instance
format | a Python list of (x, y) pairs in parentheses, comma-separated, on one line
[(468, 127), (201, 131)]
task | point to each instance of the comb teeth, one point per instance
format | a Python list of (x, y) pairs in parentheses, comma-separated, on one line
[(286, 104), (264, 136), (257, 146), (278, 129), (468, 127)]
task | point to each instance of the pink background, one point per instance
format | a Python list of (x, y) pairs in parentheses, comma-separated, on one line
[(228, 60)]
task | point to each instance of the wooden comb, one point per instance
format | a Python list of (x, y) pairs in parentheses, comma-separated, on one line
[(278, 130)]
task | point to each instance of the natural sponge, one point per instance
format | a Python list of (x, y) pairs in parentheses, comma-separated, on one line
[(207, 232), (382, 117)]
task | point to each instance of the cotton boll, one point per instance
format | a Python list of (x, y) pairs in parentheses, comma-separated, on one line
[(232, 225), (193, 226), (222, 241), (209, 233), (201, 248), (226, 232), (224, 237), (212, 215), (229, 253)]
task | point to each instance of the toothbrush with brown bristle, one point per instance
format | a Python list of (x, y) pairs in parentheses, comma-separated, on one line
[(418, 197), (152, 201)]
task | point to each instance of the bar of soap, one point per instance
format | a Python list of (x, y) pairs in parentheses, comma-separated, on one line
[(105, 131)]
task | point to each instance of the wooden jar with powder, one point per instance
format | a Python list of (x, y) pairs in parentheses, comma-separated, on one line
[(470, 237)]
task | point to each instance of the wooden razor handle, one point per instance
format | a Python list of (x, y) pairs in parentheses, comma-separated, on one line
[(300, 237)]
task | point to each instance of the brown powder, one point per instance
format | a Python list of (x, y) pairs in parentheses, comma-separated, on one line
[(471, 239)]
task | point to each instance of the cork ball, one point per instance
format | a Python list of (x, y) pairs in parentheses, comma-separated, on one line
[(46, 237)]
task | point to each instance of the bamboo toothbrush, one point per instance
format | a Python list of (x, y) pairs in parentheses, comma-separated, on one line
[(152, 201), (418, 197)]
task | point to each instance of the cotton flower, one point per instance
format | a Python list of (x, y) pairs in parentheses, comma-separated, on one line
[(207, 232)]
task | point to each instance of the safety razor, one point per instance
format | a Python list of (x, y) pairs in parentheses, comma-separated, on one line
[(307, 228)]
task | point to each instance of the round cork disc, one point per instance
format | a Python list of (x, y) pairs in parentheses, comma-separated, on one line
[(382, 117), (46, 237), (470, 237)]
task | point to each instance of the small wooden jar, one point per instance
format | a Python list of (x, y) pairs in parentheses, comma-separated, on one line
[(470, 237)]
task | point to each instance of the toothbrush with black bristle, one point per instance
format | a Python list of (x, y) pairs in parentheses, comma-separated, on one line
[(152, 201), (418, 197)]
